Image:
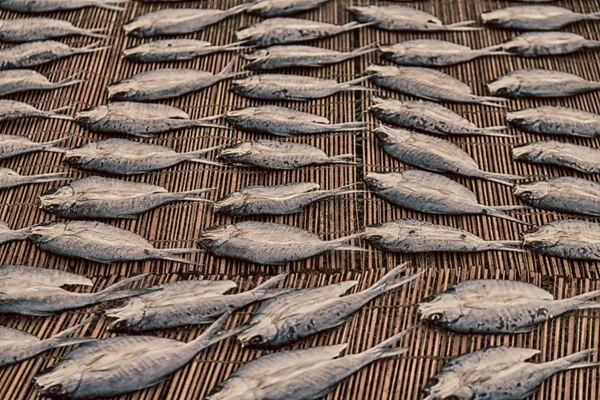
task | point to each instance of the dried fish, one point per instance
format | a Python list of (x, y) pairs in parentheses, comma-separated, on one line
[(175, 50), (39, 291), (177, 21), (117, 365), (435, 154), (97, 197), (581, 158), (300, 56), (301, 374), (536, 44), (302, 313), (37, 53), (11, 110), (414, 236), (281, 121), (534, 18), (125, 157), (139, 119), (9, 235), (572, 239), (283, 199), (167, 83), (13, 145), (22, 80), (499, 373), (399, 18), (432, 193), (535, 82), (428, 117), (293, 87), (42, 6), (32, 29), (10, 178), (427, 84), (271, 154), (278, 8), (552, 120), (268, 243), (99, 242), (186, 303)]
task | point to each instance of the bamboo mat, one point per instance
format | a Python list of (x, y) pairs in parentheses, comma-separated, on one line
[(178, 225)]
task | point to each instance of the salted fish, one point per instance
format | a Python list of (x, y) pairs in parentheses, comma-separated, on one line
[(580, 158), (10, 178), (535, 82), (279, 8), (537, 44), (533, 18), (175, 50), (571, 239), (20, 30), (22, 80), (553, 120), (42, 6), (37, 53), (11, 110), (14, 145)]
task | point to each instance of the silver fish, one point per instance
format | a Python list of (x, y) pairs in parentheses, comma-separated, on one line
[(534, 18), (186, 303), (268, 243), (98, 197), (32, 29), (432, 193), (139, 119), (175, 50), (271, 154), (37, 53), (414, 236), (300, 374), (291, 30), (434, 53), (17, 345), (428, 117), (499, 373), (167, 83), (553, 120), (571, 239), (39, 291), (566, 194), (302, 313), (427, 84), (13, 145), (581, 158), (42, 6), (22, 80), (536, 44), (125, 157), (10, 178), (11, 110), (295, 56), (278, 8), (400, 18), (118, 365), (540, 83), (178, 21), (283, 199), (281, 121), (435, 154), (494, 306)]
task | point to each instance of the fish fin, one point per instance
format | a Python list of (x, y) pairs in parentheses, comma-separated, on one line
[(575, 361), (361, 51), (73, 329), (227, 71), (349, 247), (348, 126), (214, 333), (503, 179), (190, 195), (207, 162), (60, 176), (118, 290), (507, 245), (490, 101), (111, 5), (203, 124), (54, 113), (463, 26), (98, 33), (72, 341), (68, 81), (200, 152), (90, 48), (343, 159), (268, 284), (585, 298), (592, 44), (498, 213), (391, 281), (355, 25), (385, 349)]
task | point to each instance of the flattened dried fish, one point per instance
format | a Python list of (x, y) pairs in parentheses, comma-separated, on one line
[(271, 154), (293, 87), (124, 157), (41, 6), (432, 193), (291, 30), (302, 313), (299, 56), (414, 236), (434, 53), (534, 18), (552, 120), (581, 158), (10, 110), (434, 154), (281, 121), (139, 119), (167, 83), (22, 80), (99, 242), (10, 178), (177, 21), (278, 8), (186, 303), (37, 53), (499, 373), (38, 291), (97, 197), (174, 50), (268, 243), (494, 306), (32, 29), (283, 199), (117, 365), (399, 18), (572, 239), (427, 84), (428, 117), (540, 83), (300, 374), (536, 44), (13, 145)]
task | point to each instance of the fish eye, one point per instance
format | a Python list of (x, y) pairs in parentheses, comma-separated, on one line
[(436, 317), (256, 340), (74, 159), (451, 397), (216, 389), (54, 389)]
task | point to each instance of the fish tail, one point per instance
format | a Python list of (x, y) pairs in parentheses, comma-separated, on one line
[(240, 8), (492, 131), (54, 113), (68, 81), (202, 123), (506, 245), (592, 44), (490, 101), (191, 195), (119, 290), (207, 162), (503, 179), (195, 153), (175, 255), (574, 361), (386, 348), (214, 334), (343, 159), (51, 145), (227, 71), (14, 235), (361, 51), (98, 33), (349, 126), (53, 177), (391, 281), (582, 301), (62, 339), (111, 4), (269, 283), (354, 25), (463, 26), (495, 211)]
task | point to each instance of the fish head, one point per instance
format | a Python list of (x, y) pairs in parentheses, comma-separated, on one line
[(515, 44), (506, 85), (523, 118), (215, 237), (91, 115), (532, 192), (128, 315), (259, 333), (61, 381), (58, 200), (382, 70), (46, 232), (541, 237), (81, 155), (379, 181), (230, 203), (441, 309), (233, 388), (495, 17), (256, 58), (387, 135), (447, 386), (234, 152)]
